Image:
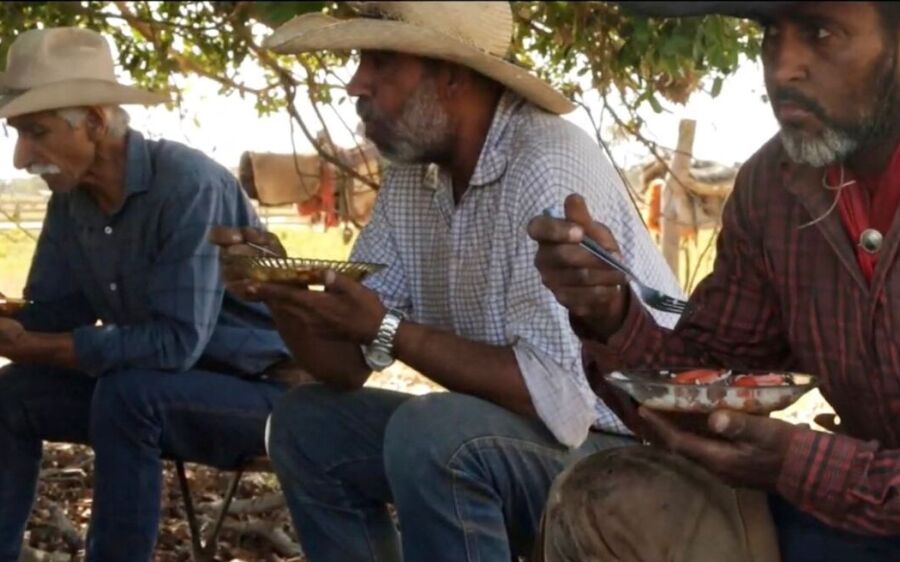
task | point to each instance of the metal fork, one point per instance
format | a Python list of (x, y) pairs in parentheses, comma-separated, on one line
[(651, 297), (263, 249)]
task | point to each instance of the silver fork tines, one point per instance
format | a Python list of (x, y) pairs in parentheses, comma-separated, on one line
[(651, 297), (263, 249)]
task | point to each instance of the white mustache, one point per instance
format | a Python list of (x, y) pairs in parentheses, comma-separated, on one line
[(43, 169)]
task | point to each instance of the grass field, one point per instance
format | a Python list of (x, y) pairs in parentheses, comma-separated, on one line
[(16, 250)]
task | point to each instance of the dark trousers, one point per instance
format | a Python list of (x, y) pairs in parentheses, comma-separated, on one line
[(132, 419)]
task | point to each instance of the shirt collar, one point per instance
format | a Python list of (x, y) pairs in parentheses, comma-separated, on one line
[(495, 152), (138, 176)]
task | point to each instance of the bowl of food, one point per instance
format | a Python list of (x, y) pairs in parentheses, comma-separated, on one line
[(301, 271), (705, 390)]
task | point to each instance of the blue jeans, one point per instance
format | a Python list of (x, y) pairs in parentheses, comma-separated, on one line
[(132, 419), (468, 478), (803, 538)]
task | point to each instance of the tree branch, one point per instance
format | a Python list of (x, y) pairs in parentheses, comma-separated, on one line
[(261, 504), (30, 554), (291, 95), (187, 65), (69, 533), (270, 531)]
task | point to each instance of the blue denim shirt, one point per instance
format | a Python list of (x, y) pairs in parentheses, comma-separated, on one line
[(148, 271)]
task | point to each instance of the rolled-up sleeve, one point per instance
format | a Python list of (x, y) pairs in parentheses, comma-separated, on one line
[(185, 293), (547, 351), (564, 404)]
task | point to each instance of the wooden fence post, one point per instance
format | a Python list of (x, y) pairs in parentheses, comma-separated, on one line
[(675, 201)]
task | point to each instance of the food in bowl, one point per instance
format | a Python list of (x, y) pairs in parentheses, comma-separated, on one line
[(706, 390), (10, 306)]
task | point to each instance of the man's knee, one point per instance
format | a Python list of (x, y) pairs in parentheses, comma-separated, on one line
[(304, 427), (130, 398), (35, 397), (125, 389), (426, 432), (14, 381)]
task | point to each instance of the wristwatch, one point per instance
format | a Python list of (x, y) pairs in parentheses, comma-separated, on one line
[(379, 354)]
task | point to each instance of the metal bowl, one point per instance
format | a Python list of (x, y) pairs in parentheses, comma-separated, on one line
[(293, 270), (9, 306), (655, 389)]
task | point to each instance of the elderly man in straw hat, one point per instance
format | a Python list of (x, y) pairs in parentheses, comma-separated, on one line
[(174, 368), (807, 278), (477, 148)]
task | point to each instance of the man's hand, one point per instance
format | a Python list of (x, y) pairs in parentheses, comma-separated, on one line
[(12, 335), (234, 241), (744, 450), (346, 308), (590, 289)]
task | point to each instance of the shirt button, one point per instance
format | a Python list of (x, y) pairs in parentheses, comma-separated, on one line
[(108, 230), (113, 287)]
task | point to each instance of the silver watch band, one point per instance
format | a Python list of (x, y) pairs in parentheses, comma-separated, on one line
[(380, 353), (384, 339)]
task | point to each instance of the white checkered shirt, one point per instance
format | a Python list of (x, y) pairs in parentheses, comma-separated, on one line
[(469, 268)]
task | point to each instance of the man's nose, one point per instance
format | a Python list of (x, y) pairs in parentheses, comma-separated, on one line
[(360, 84), (789, 58), (22, 157)]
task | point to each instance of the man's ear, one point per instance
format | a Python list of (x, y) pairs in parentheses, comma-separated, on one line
[(456, 81), (96, 123)]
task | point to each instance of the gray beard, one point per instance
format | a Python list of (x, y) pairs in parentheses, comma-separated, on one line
[(829, 147), (422, 131)]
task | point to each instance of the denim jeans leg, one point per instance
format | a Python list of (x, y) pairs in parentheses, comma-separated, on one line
[(326, 447), (470, 479), (139, 417), (36, 404)]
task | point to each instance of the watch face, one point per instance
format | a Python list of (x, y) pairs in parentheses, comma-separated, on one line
[(379, 358)]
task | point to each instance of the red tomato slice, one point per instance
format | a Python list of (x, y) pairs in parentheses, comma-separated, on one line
[(770, 379), (745, 381), (697, 376)]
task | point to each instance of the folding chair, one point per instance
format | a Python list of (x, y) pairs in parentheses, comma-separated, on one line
[(205, 551)]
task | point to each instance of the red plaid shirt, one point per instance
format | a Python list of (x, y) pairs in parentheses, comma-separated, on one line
[(782, 297)]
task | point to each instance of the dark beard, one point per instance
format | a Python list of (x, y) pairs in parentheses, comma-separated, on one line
[(840, 140), (876, 125)]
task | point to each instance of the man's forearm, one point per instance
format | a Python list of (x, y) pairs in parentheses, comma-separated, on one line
[(51, 350), (486, 371)]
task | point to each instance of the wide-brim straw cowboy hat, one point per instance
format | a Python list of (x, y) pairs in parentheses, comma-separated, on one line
[(477, 35), (62, 67), (751, 10)]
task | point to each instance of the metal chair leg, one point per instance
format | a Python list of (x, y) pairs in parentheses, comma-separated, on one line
[(197, 551), (211, 542)]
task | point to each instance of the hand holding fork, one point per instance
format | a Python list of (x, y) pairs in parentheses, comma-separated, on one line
[(579, 262)]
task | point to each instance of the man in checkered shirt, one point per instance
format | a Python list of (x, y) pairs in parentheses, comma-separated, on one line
[(460, 301)]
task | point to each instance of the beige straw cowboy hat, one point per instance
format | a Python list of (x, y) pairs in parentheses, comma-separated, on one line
[(63, 67), (474, 34)]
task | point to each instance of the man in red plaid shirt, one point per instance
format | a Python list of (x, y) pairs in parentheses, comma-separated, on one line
[(805, 279)]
